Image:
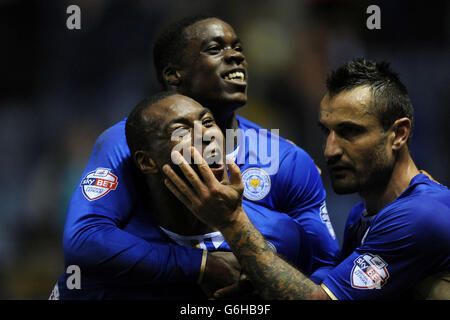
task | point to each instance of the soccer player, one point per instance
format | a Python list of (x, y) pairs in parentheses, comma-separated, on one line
[(154, 128), (396, 237), (200, 57)]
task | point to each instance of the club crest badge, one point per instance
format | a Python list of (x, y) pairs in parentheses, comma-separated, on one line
[(256, 183), (369, 272), (98, 183)]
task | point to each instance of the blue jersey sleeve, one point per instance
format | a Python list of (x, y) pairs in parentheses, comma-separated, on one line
[(100, 208), (400, 249), (301, 195)]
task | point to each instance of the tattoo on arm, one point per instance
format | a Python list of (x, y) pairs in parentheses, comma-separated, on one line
[(273, 277)]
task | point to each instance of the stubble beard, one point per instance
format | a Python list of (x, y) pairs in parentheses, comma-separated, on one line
[(368, 180)]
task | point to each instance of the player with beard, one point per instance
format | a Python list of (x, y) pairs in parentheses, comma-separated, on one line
[(396, 241), (200, 57)]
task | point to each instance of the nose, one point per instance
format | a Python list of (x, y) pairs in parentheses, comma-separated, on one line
[(233, 55), (333, 150), (213, 146), (208, 136)]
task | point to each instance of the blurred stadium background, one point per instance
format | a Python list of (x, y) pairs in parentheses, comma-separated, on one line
[(61, 88)]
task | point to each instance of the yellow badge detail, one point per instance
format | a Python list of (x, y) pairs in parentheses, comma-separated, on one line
[(254, 183)]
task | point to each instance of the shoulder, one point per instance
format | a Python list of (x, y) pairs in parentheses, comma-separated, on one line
[(114, 134), (425, 202), (112, 142), (416, 219), (429, 215), (430, 191)]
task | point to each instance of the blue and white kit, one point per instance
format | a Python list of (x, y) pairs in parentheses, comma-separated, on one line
[(406, 241), (122, 254)]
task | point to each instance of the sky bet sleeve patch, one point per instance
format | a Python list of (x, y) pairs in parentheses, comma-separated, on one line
[(98, 183), (369, 272)]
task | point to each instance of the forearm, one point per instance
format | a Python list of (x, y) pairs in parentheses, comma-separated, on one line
[(119, 256), (273, 277), (219, 205)]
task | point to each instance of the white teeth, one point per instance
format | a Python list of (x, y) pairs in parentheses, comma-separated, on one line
[(238, 75)]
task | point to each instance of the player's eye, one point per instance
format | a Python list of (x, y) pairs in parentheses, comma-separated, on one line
[(208, 122), (213, 49), (239, 48), (180, 132), (349, 132)]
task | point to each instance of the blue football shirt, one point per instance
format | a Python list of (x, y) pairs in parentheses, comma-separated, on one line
[(281, 176), (406, 241), (108, 233)]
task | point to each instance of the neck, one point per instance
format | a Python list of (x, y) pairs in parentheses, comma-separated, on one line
[(402, 174), (170, 213), (227, 122)]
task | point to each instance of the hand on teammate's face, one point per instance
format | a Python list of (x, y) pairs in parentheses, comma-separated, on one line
[(214, 203)]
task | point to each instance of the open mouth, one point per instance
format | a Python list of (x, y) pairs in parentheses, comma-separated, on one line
[(214, 164), (236, 76)]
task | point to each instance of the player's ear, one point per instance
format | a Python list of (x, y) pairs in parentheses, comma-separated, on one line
[(145, 163), (401, 132), (171, 75)]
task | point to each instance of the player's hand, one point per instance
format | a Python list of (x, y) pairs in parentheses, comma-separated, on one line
[(222, 270), (216, 204)]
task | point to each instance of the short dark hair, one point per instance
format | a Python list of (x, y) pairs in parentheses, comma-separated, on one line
[(390, 96), (170, 44), (141, 131)]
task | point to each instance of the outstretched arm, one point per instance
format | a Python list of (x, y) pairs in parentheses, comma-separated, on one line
[(220, 206)]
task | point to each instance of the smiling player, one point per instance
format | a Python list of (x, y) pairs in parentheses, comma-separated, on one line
[(200, 57), (396, 240)]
